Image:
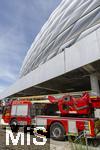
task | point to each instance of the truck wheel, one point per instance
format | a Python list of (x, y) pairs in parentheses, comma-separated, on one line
[(27, 129), (95, 142), (14, 125), (57, 131)]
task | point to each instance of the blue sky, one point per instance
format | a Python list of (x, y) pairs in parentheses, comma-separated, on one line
[(20, 22)]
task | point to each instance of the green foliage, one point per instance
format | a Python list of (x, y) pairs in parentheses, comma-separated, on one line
[(77, 145)]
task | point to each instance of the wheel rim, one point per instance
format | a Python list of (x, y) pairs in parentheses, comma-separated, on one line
[(14, 125), (56, 132)]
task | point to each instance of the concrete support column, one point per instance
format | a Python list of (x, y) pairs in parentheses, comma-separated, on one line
[(94, 84)]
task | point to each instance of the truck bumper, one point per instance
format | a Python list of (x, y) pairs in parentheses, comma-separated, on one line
[(3, 123)]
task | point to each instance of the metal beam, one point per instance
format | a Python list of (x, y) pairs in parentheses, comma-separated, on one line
[(95, 84), (50, 89)]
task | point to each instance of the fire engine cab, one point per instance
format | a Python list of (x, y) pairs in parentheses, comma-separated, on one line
[(61, 117)]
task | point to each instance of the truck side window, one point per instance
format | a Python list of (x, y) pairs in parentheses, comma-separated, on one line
[(51, 109), (32, 110)]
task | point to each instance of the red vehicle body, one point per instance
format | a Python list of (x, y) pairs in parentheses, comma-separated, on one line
[(61, 117)]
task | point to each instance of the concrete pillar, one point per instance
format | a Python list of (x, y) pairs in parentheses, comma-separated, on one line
[(94, 84)]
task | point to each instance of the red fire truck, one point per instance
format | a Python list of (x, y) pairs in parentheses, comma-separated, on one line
[(61, 117)]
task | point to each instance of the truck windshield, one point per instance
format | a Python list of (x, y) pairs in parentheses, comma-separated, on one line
[(6, 111)]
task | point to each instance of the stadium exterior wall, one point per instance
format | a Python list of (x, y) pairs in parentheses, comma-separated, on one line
[(70, 22), (85, 51)]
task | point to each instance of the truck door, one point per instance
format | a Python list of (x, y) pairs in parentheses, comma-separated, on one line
[(21, 112)]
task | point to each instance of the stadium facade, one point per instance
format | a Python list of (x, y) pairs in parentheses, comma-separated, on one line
[(70, 22), (65, 55)]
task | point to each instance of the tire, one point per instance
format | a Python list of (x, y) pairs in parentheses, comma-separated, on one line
[(14, 125), (95, 143), (57, 131), (27, 129)]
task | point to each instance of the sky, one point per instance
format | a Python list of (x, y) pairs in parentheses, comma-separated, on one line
[(20, 22)]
